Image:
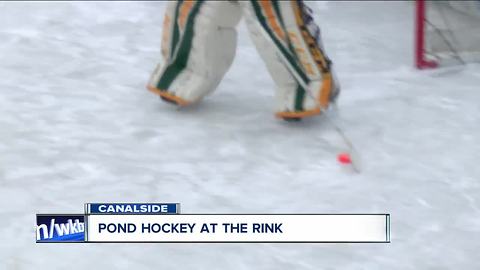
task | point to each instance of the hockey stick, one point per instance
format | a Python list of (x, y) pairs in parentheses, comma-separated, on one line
[(354, 156), (352, 151)]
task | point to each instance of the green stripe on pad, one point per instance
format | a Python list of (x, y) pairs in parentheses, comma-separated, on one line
[(285, 53), (299, 98), (176, 31), (183, 52), (290, 56)]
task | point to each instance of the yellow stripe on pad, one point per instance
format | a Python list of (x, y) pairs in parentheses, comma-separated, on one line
[(272, 19), (184, 12), (167, 95), (301, 114)]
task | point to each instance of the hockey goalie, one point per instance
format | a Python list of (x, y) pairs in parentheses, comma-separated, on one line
[(199, 42)]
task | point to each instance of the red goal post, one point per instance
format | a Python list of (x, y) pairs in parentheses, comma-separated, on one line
[(421, 61), (446, 32)]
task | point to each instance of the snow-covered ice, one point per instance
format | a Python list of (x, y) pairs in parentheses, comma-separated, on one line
[(77, 125)]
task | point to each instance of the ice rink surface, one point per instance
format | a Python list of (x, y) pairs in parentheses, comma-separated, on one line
[(77, 125)]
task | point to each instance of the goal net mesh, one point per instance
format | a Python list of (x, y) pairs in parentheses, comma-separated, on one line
[(452, 31)]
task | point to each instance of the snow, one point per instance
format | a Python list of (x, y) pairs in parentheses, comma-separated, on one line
[(77, 125)]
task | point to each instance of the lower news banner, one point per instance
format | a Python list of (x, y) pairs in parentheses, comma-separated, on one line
[(60, 228), (162, 223), (239, 228)]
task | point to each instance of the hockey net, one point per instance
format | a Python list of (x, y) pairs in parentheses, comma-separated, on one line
[(447, 33)]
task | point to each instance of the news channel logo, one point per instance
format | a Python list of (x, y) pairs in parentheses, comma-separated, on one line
[(60, 228)]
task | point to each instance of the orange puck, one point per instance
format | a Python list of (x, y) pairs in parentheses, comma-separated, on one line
[(344, 158)]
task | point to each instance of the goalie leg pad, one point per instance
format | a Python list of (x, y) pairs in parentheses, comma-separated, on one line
[(289, 42), (198, 47)]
